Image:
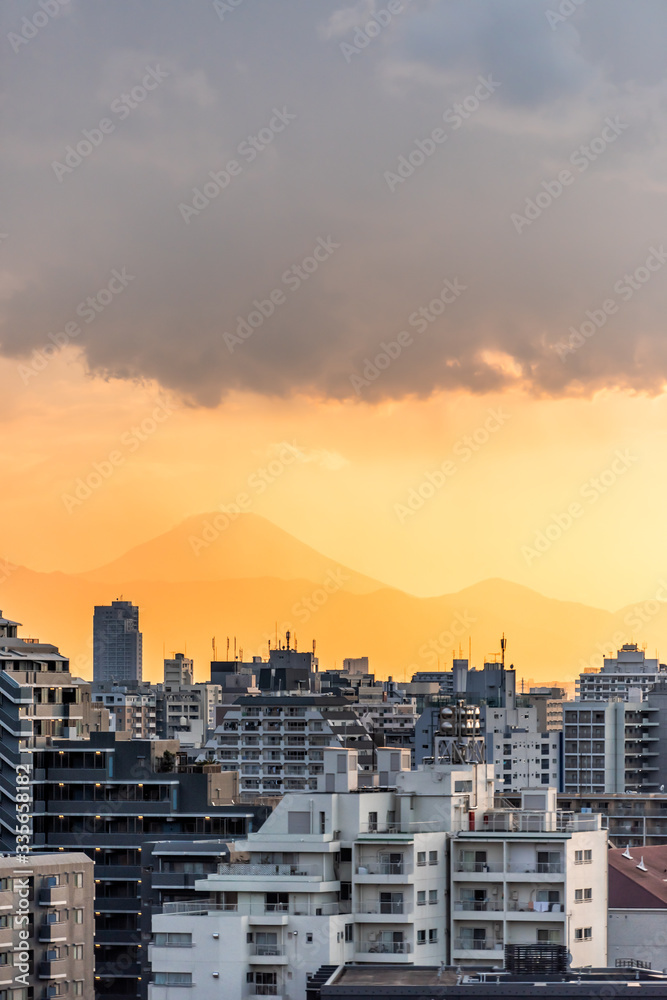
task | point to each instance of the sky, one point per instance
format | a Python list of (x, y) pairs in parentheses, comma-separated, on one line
[(416, 245)]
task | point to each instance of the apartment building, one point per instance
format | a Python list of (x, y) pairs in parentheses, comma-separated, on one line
[(523, 756), (178, 670), (46, 927), (531, 876), (345, 874), (610, 747), (131, 710), (276, 742), (390, 724), (39, 700), (110, 795), (630, 670), (549, 705)]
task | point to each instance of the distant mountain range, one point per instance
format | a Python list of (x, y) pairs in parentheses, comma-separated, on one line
[(248, 578)]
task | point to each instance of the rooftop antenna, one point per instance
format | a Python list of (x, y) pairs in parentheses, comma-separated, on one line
[(295, 642), (215, 651), (234, 647), (241, 655), (287, 637), (227, 647), (503, 647)]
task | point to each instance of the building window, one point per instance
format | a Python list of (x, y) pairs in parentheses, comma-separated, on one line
[(78, 987), (78, 916), (173, 979), (548, 937), (583, 933), (372, 822), (421, 937), (78, 880), (421, 857), (421, 897), (583, 857), (77, 952), (433, 935), (433, 857), (581, 895), (544, 779), (433, 895), (349, 932)]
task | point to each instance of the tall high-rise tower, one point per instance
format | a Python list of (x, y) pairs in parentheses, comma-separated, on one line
[(117, 642)]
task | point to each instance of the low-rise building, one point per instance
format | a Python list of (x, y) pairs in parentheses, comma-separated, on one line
[(46, 926), (345, 874), (637, 925)]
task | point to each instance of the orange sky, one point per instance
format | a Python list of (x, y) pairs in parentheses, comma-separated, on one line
[(347, 491)]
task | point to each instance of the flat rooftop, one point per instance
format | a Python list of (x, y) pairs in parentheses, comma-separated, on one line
[(407, 976)]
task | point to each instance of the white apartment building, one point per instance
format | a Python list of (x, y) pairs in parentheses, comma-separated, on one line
[(530, 876), (522, 756), (276, 742), (349, 875), (628, 670), (610, 747)]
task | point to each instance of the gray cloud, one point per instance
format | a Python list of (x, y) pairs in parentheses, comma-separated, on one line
[(324, 176)]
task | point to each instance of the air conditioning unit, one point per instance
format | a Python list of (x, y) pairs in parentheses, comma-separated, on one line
[(514, 894)]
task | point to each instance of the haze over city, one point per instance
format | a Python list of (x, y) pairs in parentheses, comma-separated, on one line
[(399, 295)]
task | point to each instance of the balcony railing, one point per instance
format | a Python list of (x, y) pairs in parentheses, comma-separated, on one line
[(520, 821), (264, 950), (535, 867), (479, 866), (269, 871), (378, 906), (384, 868), (297, 908), (385, 947), (479, 905), (477, 944)]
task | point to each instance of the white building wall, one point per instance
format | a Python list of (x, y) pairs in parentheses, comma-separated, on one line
[(638, 935)]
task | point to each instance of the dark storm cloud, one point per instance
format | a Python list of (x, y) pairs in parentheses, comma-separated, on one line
[(327, 143)]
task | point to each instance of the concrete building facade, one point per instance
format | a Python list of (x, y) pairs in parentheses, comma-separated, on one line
[(117, 642)]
